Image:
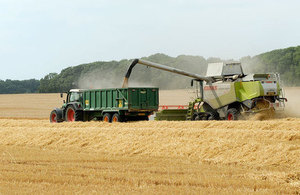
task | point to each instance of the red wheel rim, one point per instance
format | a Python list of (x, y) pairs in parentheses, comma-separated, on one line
[(115, 119), (53, 118), (106, 119), (70, 115), (230, 117)]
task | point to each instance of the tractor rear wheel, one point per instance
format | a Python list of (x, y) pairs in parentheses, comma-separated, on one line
[(232, 114), (73, 115), (116, 118), (107, 117)]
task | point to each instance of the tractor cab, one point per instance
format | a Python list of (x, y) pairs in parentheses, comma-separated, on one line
[(74, 95)]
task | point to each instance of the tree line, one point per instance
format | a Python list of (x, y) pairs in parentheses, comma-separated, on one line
[(15, 86), (110, 74)]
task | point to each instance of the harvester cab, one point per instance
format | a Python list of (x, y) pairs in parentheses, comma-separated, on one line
[(226, 92), (220, 72), (223, 71)]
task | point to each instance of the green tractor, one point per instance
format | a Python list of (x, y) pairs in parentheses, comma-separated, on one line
[(109, 105), (224, 93)]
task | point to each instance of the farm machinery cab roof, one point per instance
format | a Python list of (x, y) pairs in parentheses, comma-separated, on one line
[(73, 95), (222, 70)]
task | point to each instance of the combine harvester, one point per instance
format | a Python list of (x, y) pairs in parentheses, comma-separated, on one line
[(224, 93)]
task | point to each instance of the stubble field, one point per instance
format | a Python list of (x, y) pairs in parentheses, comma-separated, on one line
[(202, 157)]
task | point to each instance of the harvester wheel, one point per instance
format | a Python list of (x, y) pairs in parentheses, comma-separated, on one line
[(73, 115), (199, 118), (213, 116), (232, 114), (195, 117), (107, 117), (116, 118)]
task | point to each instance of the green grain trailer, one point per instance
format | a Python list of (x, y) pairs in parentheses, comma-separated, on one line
[(110, 105)]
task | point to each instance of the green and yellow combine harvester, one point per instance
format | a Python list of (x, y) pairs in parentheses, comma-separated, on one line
[(224, 93)]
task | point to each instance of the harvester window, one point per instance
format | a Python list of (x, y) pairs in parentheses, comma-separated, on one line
[(262, 77), (75, 97)]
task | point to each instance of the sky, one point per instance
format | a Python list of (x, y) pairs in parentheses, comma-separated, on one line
[(42, 36)]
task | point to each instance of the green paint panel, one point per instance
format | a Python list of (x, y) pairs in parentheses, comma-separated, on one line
[(143, 98), (248, 90), (131, 99), (219, 95)]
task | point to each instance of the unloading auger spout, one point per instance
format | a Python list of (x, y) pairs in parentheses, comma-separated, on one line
[(164, 68)]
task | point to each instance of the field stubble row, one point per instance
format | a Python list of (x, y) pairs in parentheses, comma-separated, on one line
[(182, 157), (167, 157)]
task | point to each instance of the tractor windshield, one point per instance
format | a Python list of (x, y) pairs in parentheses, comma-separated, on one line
[(75, 97)]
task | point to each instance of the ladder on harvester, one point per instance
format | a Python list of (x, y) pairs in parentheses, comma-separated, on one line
[(191, 109)]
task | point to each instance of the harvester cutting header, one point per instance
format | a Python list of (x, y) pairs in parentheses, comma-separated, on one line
[(225, 92)]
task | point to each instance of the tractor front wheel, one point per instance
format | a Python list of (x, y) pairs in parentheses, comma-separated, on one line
[(53, 117)]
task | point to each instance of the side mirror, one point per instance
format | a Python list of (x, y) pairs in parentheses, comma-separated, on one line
[(61, 95), (192, 82)]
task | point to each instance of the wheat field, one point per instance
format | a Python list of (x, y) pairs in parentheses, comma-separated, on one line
[(165, 157)]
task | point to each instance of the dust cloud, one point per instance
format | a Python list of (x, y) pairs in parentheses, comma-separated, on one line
[(292, 108), (99, 80), (110, 80)]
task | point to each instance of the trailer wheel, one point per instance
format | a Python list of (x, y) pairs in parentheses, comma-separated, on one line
[(107, 117), (73, 115), (116, 118), (53, 117), (232, 114)]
